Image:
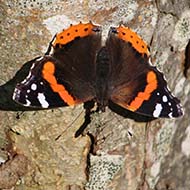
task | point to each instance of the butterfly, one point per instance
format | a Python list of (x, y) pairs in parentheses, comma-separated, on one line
[(77, 68)]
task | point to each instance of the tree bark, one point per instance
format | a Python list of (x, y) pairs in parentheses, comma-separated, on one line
[(115, 153)]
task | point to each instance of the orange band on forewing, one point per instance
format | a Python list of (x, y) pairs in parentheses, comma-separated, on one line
[(48, 74), (135, 104), (79, 30), (151, 76), (128, 35), (142, 96)]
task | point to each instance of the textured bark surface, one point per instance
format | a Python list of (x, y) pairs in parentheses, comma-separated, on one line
[(120, 153)]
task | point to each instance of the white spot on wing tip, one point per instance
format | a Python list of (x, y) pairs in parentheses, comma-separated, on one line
[(33, 86), (24, 81), (157, 111), (170, 115), (15, 94), (28, 103), (164, 98), (40, 58), (42, 100)]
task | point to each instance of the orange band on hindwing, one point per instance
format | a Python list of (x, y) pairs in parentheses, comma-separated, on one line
[(142, 96), (128, 35), (48, 74)]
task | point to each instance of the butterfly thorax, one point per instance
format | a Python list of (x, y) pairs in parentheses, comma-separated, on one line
[(102, 76)]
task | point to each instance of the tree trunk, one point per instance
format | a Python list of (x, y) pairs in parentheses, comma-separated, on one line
[(38, 149)]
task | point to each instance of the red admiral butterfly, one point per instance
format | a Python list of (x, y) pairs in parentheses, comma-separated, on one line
[(77, 69)]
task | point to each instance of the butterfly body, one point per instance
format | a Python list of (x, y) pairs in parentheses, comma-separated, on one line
[(102, 78)]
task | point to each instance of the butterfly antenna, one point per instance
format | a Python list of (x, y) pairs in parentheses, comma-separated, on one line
[(50, 45), (119, 121), (70, 125)]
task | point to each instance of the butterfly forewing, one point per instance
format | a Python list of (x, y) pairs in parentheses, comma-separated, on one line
[(67, 76)]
